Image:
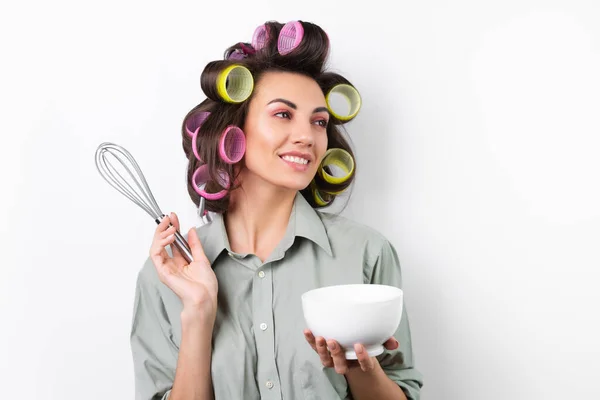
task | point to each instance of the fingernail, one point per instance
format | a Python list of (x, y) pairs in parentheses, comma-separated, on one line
[(332, 346), (360, 349)]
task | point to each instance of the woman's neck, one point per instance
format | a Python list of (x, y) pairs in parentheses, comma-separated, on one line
[(258, 217)]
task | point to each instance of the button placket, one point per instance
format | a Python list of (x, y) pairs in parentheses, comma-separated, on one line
[(262, 310)]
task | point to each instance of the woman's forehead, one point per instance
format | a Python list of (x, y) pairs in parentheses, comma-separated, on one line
[(290, 86)]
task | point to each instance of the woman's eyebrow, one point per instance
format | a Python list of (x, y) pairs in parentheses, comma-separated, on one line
[(294, 106), (284, 101), (320, 109)]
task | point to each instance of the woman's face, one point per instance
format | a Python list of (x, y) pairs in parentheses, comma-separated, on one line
[(286, 135)]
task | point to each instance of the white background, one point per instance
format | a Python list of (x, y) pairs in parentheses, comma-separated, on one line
[(479, 125)]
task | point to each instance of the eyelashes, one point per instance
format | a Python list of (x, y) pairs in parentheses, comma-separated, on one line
[(283, 112), (322, 122)]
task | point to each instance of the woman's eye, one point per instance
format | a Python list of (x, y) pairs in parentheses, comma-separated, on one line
[(283, 114), (322, 123)]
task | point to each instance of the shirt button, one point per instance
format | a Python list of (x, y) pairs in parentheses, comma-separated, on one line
[(261, 274), (263, 326), (270, 384)]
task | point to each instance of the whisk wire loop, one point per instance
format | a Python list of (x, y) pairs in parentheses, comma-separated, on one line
[(133, 185)]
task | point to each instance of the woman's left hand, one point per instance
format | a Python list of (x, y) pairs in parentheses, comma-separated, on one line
[(332, 354)]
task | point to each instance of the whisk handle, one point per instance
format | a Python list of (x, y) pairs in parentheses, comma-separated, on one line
[(181, 244), (184, 247)]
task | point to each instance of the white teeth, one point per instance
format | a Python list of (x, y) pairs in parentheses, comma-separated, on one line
[(297, 160)]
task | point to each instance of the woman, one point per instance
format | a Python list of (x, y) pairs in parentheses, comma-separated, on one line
[(229, 325)]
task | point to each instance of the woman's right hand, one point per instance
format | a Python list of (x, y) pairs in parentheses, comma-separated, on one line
[(195, 283)]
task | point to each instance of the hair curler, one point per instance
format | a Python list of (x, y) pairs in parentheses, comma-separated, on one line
[(339, 158), (232, 144), (290, 36), (201, 177), (350, 93), (192, 126), (260, 37), (235, 83)]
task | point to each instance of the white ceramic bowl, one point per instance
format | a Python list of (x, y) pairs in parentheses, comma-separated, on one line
[(360, 313)]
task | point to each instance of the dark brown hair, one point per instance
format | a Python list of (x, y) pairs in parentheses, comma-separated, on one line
[(308, 58)]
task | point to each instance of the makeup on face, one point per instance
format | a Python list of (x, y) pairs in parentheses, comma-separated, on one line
[(286, 109)]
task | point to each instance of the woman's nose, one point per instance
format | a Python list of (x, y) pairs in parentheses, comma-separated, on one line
[(303, 134)]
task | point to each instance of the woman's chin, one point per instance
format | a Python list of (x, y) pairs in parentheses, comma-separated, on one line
[(293, 184), (282, 180)]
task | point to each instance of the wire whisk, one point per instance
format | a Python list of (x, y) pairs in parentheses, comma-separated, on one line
[(133, 186)]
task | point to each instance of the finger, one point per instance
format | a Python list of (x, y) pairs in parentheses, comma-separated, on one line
[(174, 220), (391, 344), (164, 242), (157, 251), (167, 232), (160, 255), (165, 271), (159, 258), (323, 352), (364, 360), (339, 357), (177, 255), (310, 338), (195, 245), (162, 226)]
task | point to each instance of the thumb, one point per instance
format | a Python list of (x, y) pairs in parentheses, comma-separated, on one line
[(391, 344), (195, 245)]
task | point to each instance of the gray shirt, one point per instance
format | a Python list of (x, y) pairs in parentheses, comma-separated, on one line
[(259, 349)]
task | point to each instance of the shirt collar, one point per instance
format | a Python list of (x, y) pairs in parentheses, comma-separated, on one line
[(304, 222), (309, 224), (214, 240)]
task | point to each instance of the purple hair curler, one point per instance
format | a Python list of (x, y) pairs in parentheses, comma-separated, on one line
[(236, 55), (232, 144), (290, 37), (241, 53), (201, 177), (260, 37)]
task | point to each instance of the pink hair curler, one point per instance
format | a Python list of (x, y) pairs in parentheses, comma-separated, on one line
[(195, 144), (192, 127), (260, 37), (201, 177), (195, 121), (232, 144), (290, 37)]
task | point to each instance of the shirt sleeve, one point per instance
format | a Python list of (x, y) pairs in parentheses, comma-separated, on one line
[(398, 364), (154, 353)]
